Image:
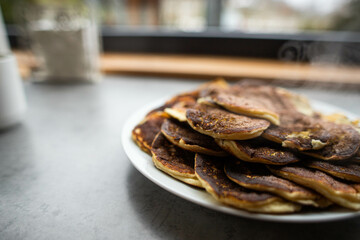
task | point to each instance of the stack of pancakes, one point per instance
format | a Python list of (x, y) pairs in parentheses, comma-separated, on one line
[(255, 147)]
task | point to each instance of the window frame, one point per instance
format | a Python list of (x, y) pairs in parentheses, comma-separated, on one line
[(285, 47)]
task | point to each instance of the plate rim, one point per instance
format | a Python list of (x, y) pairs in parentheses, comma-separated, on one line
[(134, 153)]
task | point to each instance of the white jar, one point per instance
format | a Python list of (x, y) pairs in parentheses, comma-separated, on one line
[(12, 99)]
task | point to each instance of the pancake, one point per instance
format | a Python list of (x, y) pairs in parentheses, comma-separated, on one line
[(179, 98), (258, 177), (300, 103), (183, 97), (298, 131), (315, 137), (262, 101), (212, 87), (341, 119), (144, 133), (246, 103), (157, 109), (174, 161), (336, 135), (343, 144), (349, 170), (342, 193), (177, 106), (186, 138), (210, 171), (178, 110), (219, 123), (258, 150)]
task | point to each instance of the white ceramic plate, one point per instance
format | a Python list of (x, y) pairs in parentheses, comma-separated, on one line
[(143, 163)]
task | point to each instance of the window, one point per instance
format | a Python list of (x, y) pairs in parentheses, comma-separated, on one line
[(291, 30)]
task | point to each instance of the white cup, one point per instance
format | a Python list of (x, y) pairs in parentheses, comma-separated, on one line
[(12, 97)]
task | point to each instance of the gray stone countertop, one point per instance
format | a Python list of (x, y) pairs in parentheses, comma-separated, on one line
[(65, 175)]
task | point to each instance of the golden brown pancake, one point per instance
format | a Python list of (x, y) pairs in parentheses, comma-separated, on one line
[(186, 138), (342, 193), (348, 170), (305, 133), (343, 144), (178, 110), (258, 150), (158, 109), (210, 89), (210, 171), (298, 131), (300, 102), (219, 123), (258, 177), (179, 98), (341, 119), (144, 133), (324, 140), (247, 103), (218, 83), (213, 87), (174, 161), (262, 101), (183, 97), (177, 106)]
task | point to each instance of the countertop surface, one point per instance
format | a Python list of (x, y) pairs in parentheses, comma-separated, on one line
[(65, 175)]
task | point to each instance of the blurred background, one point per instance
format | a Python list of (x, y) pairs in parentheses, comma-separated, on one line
[(255, 16), (305, 31)]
